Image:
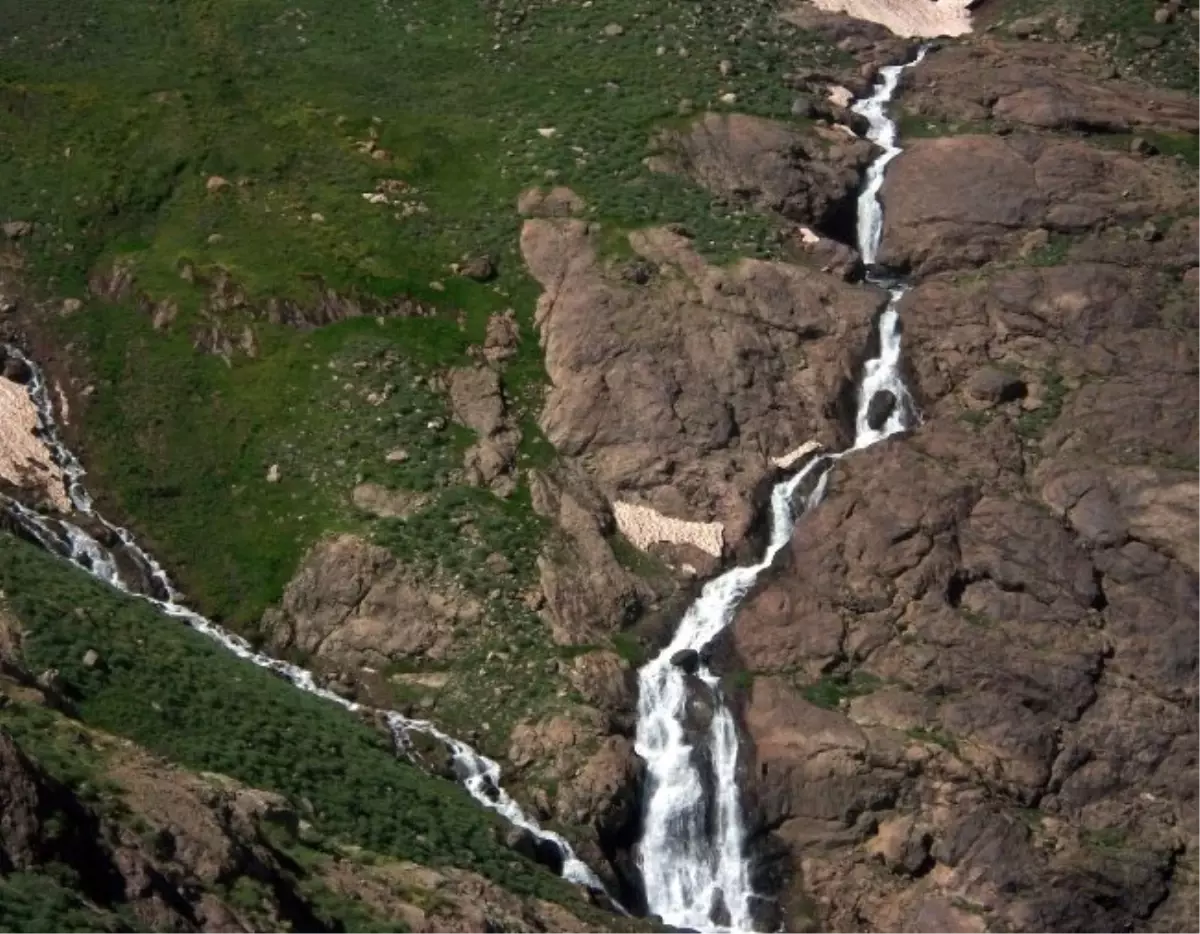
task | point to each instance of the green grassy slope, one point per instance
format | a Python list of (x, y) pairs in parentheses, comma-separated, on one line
[(115, 113), (181, 696)]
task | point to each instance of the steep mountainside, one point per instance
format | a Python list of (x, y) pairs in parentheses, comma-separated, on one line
[(445, 347)]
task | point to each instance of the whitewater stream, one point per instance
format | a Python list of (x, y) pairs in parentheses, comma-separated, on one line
[(477, 773), (692, 854)]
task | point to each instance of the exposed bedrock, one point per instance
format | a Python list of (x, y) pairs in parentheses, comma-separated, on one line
[(678, 394)]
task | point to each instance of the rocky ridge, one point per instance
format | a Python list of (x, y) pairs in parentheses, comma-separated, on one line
[(973, 698)]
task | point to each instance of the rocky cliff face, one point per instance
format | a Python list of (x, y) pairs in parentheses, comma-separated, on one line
[(681, 391), (971, 698), (975, 667)]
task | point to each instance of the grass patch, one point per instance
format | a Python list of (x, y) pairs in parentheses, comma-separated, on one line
[(740, 681), (976, 418), (638, 562), (937, 737), (1118, 24), (975, 619), (919, 126), (181, 696), (182, 442), (831, 690), (1053, 253), (39, 901), (630, 648), (1030, 817), (1032, 425), (1107, 838)]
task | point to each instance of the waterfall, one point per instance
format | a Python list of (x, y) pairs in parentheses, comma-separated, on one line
[(692, 854), (479, 775)]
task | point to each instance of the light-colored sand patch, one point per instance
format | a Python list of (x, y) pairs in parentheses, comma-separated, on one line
[(644, 527), (839, 96), (24, 460), (924, 18), (793, 456), (430, 680)]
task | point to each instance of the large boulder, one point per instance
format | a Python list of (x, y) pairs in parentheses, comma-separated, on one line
[(351, 604)]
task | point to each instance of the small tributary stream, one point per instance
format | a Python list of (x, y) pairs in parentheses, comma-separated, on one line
[(693, 855), (111, 553)]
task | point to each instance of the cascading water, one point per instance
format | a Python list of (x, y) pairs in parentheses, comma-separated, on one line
[(478, 774), (692, 852)]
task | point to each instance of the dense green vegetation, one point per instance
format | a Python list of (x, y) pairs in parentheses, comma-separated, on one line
[(115, 115), (1033, 424), (181, 696), (34, 901), (188, 443), (831, 690)]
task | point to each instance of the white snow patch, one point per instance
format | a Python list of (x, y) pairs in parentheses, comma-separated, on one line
[(644, 526), (925, 18)]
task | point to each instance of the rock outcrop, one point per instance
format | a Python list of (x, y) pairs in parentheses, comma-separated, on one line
[(588, 594), (960, 201), (352, 604), (477, 399), (678, 394), (809, 177), (1038, 86)]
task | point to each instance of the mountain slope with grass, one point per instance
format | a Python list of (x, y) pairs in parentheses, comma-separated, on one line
[(155, 781)]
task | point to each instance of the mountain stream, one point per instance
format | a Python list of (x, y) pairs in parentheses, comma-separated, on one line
[(692, 853)]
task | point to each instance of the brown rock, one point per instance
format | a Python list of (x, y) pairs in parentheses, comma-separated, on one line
[(387, 504), (995, 386), (1040, 86), (479, 268), (801, 175), (588, 594), (902, 845), (810, 761), (602, 792), (351, 604), (757, 355), (476, 398), (500, 343), (604, 680), (15, 230), (557, 202)]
